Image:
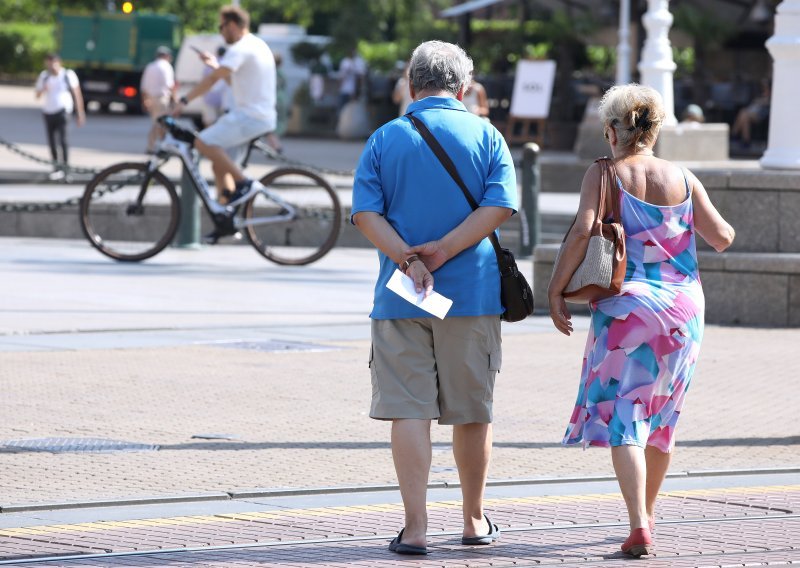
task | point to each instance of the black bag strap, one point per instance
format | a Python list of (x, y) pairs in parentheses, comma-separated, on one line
[(448, 164)]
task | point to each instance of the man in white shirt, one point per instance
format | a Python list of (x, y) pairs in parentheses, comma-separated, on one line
[(352, 70), (249, 66), (62, 94), (158, 92)]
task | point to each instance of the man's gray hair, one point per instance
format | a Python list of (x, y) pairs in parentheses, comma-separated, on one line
[(439, 66)]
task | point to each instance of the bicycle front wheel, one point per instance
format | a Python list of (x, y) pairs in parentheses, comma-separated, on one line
[(128, 213), (297, 221)]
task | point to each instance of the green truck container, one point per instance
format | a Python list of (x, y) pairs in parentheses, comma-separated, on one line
[(109, 51)]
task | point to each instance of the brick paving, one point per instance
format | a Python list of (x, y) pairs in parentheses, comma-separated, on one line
[(301, 418), (710, 527)]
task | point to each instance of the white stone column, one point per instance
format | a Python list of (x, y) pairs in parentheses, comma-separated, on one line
[(657, 66), (783, 146), (624, 46)]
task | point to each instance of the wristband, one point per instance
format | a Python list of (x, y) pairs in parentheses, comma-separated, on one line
[(183, 100), (407, 263)]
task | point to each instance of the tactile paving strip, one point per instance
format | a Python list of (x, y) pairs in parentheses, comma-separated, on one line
[(721, 527), (58, 445)]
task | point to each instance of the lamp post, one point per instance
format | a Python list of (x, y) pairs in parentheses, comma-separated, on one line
[(624, 45), (657, 66), (783, 146)]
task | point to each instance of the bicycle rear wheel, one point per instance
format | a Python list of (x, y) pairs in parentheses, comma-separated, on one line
[(300, 230), (128, 213)]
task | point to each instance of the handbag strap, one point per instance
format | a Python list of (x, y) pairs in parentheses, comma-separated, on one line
[(608, 184), (448, 164)]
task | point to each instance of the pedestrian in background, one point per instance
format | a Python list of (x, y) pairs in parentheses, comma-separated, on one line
[(475, 99), (754, 113), (643, 344), (281, 107), (401, 95), (157, 89), (693, 116), (352, 71), (219, 99), (62, 95), (409, 207)]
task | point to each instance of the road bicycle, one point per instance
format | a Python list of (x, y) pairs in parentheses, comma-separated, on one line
[(131, 211)]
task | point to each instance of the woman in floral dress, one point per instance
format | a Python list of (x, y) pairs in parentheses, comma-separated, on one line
[(643, 344)]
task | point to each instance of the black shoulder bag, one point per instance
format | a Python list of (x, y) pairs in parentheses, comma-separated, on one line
[(515, 293)]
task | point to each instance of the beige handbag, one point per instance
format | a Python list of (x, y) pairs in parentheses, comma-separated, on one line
[(602, 271)]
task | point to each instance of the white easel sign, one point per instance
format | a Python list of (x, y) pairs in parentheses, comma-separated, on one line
[(533, 88)]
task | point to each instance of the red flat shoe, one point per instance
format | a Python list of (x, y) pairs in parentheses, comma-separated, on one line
[(639, 543)]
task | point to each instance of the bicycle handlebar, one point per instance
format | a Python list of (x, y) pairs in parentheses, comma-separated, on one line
[(178, 131)]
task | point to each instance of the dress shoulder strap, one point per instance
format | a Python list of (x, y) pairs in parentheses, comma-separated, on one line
[(686, 182)]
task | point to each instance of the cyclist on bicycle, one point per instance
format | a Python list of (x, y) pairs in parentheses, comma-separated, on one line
[(249, 66)]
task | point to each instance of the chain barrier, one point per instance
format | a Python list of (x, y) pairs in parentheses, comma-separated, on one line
[(36, 207), (273, 155), (67, 169), (74, 201)]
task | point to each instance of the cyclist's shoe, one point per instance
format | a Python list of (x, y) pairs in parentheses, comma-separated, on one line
[(244, 191), (212, 238), (223, 227)]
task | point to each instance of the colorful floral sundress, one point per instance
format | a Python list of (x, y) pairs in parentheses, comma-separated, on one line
[(643, 344)]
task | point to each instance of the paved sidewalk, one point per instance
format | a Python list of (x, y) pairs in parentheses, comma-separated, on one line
[(723, 526), (142, 353)]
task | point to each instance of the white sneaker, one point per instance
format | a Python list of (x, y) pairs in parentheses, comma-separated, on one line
[(56, 175)]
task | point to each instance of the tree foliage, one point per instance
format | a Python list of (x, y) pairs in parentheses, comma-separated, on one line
[(385, 31)]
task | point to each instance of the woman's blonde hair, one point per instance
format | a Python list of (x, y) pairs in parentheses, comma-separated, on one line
[(635, 112)]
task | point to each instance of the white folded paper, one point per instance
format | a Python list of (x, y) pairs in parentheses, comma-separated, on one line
[(403, 286)]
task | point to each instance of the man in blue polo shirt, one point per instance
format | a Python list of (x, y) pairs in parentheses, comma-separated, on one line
[(409, 207)]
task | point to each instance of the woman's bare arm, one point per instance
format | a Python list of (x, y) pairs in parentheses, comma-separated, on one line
[(708, 223), (575, 249)]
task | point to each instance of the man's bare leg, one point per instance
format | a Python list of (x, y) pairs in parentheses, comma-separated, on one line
[(220, 160), (224, 183), (411, 450), (472, 449)]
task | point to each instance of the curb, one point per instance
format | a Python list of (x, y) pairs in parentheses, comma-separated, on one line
[(307, 491)]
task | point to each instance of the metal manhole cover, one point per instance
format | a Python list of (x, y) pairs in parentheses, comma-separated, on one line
[(57, 445), (274, 346)]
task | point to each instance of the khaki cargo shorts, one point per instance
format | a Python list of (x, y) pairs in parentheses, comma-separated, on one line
[(426, 368)]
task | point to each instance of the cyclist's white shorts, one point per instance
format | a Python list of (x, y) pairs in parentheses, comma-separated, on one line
[(233, 131)]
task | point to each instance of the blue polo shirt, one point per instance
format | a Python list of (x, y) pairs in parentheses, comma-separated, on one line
[(399, 177)]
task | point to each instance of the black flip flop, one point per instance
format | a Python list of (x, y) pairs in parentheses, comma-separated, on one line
[(494, 534), (400, 548)]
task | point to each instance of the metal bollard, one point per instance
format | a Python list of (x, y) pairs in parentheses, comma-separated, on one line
[(189, 229), (530, 223)]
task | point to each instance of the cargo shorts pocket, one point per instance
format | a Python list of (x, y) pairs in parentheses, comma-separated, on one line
[(495, 362), (373, 374)]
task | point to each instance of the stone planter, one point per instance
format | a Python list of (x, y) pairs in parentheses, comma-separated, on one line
[(757, 281)]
